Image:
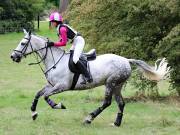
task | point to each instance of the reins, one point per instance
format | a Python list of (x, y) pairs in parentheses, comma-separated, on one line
[(37, 55), (54, 66)]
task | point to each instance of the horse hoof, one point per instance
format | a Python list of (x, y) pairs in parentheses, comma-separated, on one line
[(88, 119), (114, 125), (62, 106), (87, 122), (34, 115), (59, 106)]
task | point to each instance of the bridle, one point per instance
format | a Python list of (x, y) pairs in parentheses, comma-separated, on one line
[(24, 54), (23, 51)]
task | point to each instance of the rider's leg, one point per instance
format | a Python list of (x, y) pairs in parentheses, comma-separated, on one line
[(84, 71), (78, 49)]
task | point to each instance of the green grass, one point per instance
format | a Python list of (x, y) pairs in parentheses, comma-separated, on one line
[(20, 82)]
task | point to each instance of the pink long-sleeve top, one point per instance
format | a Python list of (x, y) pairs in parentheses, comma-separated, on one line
[(62, 37)]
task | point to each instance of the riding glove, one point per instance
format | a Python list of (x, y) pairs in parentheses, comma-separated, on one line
[(49, 44)]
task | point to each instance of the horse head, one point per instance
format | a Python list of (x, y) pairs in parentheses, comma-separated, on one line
[(29, 44), (23, 47)]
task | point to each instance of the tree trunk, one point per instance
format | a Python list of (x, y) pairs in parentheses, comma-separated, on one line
[(63, 4)]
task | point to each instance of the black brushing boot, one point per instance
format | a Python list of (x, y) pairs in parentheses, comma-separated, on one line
[(84, 71)]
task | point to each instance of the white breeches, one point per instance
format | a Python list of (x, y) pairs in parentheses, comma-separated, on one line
[(77, 46)]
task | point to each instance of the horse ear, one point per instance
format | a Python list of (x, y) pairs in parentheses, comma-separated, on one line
[(25, 32)]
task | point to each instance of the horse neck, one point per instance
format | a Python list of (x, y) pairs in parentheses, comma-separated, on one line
[(52, 54)]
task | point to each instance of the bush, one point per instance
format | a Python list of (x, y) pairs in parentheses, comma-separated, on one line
[(131, 28), (169, 47), (14, 26), (18, 14)]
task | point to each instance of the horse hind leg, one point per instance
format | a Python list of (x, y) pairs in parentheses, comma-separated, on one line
[(106, 103), (118, 96), (121, 104)]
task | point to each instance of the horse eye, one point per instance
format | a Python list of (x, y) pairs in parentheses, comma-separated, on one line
[(23, 44)]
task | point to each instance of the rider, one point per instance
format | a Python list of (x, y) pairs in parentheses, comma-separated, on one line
[(65, 33)]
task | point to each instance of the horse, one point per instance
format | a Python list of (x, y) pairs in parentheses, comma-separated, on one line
[(109, 70)]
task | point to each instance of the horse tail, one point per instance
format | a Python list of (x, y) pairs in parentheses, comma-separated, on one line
[(158, 72)]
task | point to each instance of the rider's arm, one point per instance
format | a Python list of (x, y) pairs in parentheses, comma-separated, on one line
[(62, 37)]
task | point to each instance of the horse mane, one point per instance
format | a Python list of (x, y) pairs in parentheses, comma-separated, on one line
[(46, 39)]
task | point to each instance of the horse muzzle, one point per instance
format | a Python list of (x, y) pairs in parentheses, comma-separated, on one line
[(15, 57)]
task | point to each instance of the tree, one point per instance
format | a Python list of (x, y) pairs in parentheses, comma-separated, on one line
[(54, 2), (169, 47), (63, 5), (15, 14)]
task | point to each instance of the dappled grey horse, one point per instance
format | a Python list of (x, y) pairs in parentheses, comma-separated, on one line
[(108, 69)]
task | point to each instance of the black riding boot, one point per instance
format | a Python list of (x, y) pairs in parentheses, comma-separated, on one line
[(84, 71)]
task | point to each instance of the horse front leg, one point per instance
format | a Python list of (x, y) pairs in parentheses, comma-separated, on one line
[(51, 91), (52, 104), (49, 101), (35, 102)]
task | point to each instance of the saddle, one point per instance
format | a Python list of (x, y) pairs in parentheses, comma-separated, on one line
[(84, 58)]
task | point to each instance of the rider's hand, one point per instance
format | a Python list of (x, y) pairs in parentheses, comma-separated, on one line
[(49, 44)]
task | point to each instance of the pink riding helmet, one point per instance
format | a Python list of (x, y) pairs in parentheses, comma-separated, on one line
[(55, 17)]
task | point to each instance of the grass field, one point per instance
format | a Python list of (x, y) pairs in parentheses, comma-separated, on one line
[(20, 82)]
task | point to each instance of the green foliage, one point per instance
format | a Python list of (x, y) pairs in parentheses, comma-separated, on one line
[(54, 2), (15, 14), (145, 87), (11, 26), (131, 28), (169, 47)]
